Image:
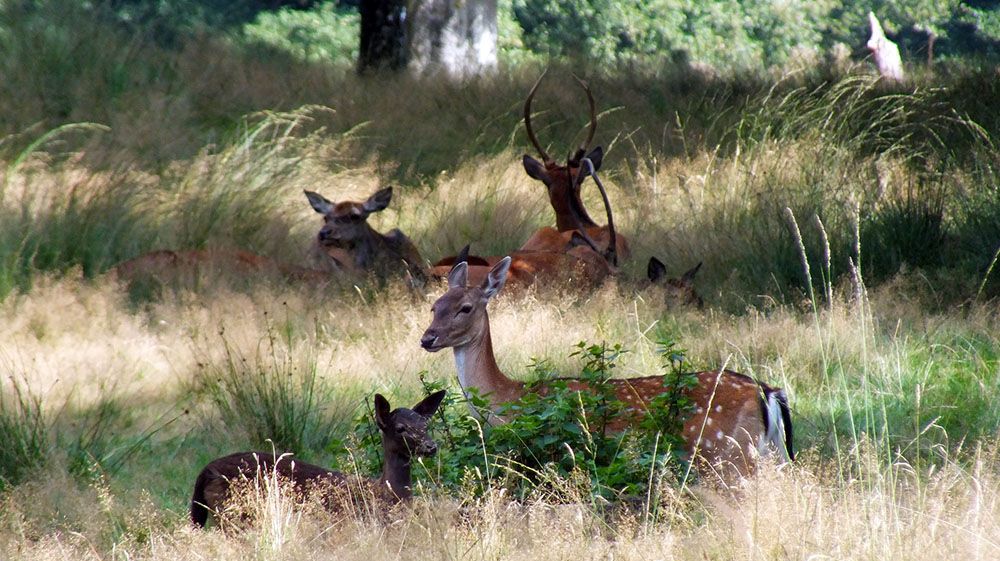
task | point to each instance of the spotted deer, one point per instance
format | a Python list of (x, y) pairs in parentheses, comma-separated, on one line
[(563, 183), (735, 417), (346, 242), (404, 436)]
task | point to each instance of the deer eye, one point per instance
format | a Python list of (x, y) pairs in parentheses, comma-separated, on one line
[(401, 429), (466, 308)]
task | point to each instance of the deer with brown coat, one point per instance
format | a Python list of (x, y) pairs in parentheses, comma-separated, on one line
[(736, 418), (563, 183), (404, 436)]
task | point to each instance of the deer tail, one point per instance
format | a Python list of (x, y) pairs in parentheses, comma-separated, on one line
[(779, 423)]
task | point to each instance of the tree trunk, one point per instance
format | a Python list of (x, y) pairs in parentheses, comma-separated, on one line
[(383, 35), (456, 37), (931, 38)]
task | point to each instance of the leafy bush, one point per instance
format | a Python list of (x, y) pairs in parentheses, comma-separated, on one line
[(553, 434)]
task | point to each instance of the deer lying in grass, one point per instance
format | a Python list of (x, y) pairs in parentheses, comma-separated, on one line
[(735, 418), (346, 231), (404, 435), (675, 291), (563, 184), (346, 247)]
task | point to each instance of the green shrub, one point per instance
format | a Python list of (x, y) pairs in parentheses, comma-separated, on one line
[(552, 436)]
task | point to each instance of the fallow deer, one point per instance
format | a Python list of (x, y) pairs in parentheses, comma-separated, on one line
[(563, 184), (576, 265), (404, 436), (346, 247), (346, 231), (675, 291), (735, 416)]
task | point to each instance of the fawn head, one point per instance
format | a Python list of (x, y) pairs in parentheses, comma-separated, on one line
[(404, 431), (677, 291), (460, 313), (346, 222)]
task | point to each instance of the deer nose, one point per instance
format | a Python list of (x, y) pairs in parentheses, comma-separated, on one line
[(429, 449), (428, 340)]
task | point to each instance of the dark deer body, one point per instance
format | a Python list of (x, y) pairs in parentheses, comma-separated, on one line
[(735, 417), (404, 436)]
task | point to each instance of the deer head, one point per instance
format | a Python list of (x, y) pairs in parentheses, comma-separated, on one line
[(404, 431), (677, 291), (563, 181), (346, 222), (460, 313)]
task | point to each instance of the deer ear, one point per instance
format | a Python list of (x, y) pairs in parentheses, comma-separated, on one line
[(458, 277), (379, 200), (382, 412), (655, 270), (687, 279), (495, 280), (429, 404), (596, 156), (319, 203), (463, 255), (535, 169)]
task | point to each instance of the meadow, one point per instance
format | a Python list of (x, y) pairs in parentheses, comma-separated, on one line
[(849, 232)]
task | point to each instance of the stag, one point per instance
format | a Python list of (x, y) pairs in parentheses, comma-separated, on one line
[(404, 436), (563, 183), (736, 418)]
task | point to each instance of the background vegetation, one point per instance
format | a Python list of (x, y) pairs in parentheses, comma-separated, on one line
[(849, 231)]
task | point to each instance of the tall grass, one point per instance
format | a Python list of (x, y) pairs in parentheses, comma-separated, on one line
[(24, 430)]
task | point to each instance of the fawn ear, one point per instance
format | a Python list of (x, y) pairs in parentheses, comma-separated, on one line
[(535, 169), (378, 201), (496, 278), (687, 279), (459, 275), (656, 270), (319, 203), (429, 404), (382, 412)]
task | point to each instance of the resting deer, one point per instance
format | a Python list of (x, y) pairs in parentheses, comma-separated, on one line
[(346, 246), (346, 232), (734, 415), (676, 291), (577, 265), (404, 435), (563, 183)]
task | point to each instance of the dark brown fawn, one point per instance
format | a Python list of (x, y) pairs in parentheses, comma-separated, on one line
[(563, 184), (404, 436), (346, 232), (675, 291), (735, 417)]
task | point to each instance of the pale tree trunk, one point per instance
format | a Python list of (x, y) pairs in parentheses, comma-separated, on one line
[(455, 37), (885, 52)]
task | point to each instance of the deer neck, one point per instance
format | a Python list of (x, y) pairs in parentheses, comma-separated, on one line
[(396, 478), (477, 368), (571, 215)]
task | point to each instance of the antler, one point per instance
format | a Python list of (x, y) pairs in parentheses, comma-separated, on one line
[(611, 254), (527, 120), (593, 116)]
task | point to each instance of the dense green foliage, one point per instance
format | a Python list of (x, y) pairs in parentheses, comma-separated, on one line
[(553, 433)]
